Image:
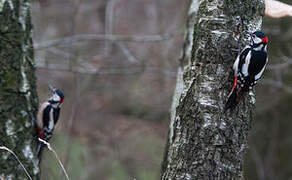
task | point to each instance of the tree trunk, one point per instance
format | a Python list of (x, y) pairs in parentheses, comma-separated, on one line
[(18, 96), (204, 142)]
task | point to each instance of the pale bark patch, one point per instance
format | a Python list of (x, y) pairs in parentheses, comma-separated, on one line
[(2, 2)]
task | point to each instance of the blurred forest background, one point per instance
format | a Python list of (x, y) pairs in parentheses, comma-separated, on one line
[(116, 62)]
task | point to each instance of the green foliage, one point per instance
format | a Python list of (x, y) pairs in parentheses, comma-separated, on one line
[(9, 81)]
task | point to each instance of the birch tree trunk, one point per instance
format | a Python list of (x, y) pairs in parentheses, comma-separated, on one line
[(204, 143), (18, 97)]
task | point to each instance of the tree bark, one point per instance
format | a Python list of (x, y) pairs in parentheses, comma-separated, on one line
[(18, 96), (204, 142)]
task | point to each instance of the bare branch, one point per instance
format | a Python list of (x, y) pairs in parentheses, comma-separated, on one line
[(127, 52), (112, 71), (276, 9), (258, 162), (61, 53), (100, 37), (56, 155), (277, 84), (280, 66), (10, 151)]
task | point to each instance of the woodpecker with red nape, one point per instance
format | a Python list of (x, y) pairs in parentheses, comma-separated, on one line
[(47, 117), (248, 68)]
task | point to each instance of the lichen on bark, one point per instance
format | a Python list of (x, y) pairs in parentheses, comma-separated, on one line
[(204, 142), (18, 97)]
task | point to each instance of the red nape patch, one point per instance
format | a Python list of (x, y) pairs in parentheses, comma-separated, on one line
[(265, 40), (62, 100)]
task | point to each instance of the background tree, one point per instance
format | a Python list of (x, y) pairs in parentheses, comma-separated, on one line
[(203, 142), (18, 97)]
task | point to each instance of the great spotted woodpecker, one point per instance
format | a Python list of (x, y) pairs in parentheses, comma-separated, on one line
[(248, 68), (47, 117)]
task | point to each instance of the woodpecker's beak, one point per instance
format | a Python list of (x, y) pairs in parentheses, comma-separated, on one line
[(51, 88), (249, 33)]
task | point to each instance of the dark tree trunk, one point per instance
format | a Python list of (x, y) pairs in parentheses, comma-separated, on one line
[(205, 143), (18, 96)]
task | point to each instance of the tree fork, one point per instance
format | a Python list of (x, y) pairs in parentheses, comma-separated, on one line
[(203, 142)]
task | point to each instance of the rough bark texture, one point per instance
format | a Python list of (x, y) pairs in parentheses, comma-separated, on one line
[(205, 143), (18, 97)]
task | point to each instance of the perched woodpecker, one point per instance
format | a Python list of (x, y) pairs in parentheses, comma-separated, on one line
[(248, 68), (47, 117)]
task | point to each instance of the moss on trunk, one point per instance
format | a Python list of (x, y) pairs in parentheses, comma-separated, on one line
[(18, 97)]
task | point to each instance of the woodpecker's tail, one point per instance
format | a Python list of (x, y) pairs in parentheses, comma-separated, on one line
[(232, 97), (39, 145), (40, 149)]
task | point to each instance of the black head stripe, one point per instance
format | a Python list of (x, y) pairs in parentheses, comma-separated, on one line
[(259, 34), (60, 93)]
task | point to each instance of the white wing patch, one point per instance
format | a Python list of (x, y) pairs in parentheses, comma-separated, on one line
[(236, 62), (235, 65), (244, 69), (40, 114), (51, 122)]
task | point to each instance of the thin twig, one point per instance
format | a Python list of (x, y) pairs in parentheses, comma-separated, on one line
[(127, 52), (279, 66), (287, 63), (71, 122), (277, 84), (62, 53), (7, 149), (259, 164), (76, 58), (51, 149), (114, 71), (109, 22)]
